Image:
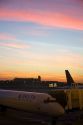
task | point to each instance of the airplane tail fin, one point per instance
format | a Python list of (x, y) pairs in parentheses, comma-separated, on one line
[(69, 78)]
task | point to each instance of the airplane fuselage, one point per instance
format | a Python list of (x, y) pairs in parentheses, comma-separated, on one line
[(42, 103)]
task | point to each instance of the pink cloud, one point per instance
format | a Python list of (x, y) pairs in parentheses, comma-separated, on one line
[(11, 44), (4, 36), (14, 45), (54, 19)]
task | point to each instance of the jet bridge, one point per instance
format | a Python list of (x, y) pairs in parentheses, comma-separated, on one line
[(74, 98)]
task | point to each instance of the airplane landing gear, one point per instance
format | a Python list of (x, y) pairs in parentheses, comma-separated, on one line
[(53, 121)]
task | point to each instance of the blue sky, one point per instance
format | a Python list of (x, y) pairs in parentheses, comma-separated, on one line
[(41, 38)]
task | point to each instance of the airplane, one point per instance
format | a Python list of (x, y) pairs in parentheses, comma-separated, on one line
[(34, 102), (70, 83)]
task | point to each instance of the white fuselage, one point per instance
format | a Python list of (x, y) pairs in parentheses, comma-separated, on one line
[(31, 102)]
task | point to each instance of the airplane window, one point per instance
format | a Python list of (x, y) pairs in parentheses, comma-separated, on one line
[(48, 100)]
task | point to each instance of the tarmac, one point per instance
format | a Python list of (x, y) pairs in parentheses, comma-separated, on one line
[(13, 117)]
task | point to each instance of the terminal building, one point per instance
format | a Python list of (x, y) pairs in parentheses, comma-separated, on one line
[(30, 84)]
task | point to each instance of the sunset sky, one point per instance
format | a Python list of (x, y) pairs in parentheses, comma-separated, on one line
[(41, 37)]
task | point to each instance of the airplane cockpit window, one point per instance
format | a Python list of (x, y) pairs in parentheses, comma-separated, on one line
[(48, 100)]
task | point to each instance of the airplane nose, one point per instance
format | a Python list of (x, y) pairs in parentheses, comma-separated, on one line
[(61, 110), (58, 109)]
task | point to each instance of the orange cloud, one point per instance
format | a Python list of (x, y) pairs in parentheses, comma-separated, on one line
[(13, 74), (46, 18)]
